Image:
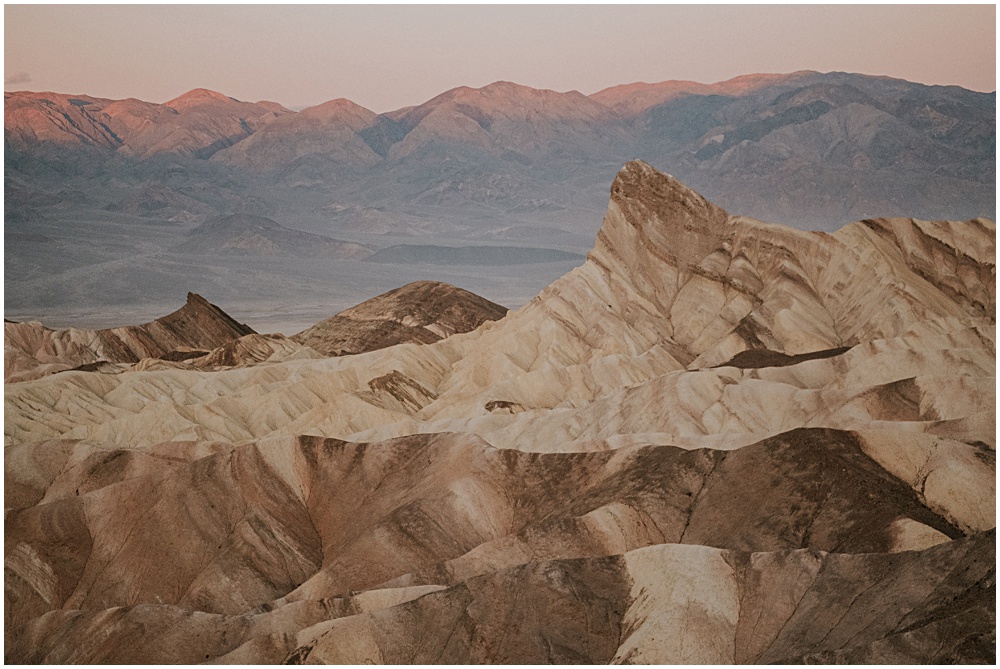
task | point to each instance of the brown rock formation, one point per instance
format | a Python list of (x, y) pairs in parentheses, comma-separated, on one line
[(717, 441), (32, 351), (421, 312), (291, 531)]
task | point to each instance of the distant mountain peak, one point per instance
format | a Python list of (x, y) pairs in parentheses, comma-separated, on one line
[(250, 235), (513, 90), (198, 96), (338, 109), (508, 86), (337, 103), (275, 107), (632, 99)]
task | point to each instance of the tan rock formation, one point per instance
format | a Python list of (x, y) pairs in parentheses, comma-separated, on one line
[(33, 351), (718, 441)]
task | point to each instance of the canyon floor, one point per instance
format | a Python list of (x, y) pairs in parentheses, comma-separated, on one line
[(716, 441)]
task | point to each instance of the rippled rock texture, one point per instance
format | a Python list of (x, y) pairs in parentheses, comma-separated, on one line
[(718, 441)]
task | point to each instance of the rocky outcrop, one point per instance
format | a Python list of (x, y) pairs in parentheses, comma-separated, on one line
[(200, 336), (717, 441), (32, 350), (249, 350), (420, 312)]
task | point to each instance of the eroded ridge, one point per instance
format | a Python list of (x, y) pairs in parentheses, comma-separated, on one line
[(717, 441)]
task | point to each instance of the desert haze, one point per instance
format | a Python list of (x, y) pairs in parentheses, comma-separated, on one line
[(116, 209), (716, 440), (510, 375)]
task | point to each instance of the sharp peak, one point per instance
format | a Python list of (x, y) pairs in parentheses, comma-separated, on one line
[(196, 299), (638, 184), (198, 308), (197, 304), (639, 171), (653, 218)]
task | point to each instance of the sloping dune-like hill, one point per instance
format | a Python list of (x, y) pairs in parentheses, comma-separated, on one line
[(717, 441), (419, 312)]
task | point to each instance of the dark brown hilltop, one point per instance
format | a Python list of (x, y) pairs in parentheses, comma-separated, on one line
[(421, 312)]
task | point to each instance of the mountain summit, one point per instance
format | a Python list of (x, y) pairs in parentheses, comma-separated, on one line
[(806, 148), (198, 96)]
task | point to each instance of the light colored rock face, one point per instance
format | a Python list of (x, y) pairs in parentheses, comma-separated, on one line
[(717, 441), (334, 551)]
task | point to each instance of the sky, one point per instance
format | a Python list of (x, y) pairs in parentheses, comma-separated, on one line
[(385, 57)]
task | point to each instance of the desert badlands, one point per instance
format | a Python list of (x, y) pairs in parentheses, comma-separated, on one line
[(716, 441)]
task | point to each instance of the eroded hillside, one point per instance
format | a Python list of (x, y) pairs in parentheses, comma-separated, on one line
[(716, 441)]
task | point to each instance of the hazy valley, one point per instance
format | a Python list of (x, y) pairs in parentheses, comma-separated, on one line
[(103, 198)]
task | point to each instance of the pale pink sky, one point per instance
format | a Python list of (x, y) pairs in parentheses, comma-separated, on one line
[(386, 57)]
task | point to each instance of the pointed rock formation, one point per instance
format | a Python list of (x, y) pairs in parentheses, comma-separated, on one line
[(32, 351)]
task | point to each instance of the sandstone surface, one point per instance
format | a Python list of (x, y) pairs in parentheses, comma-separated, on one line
[(717, 441)]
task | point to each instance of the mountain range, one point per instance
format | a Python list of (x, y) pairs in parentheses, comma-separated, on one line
[(102, 192), (889, 146), (717, 440)]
